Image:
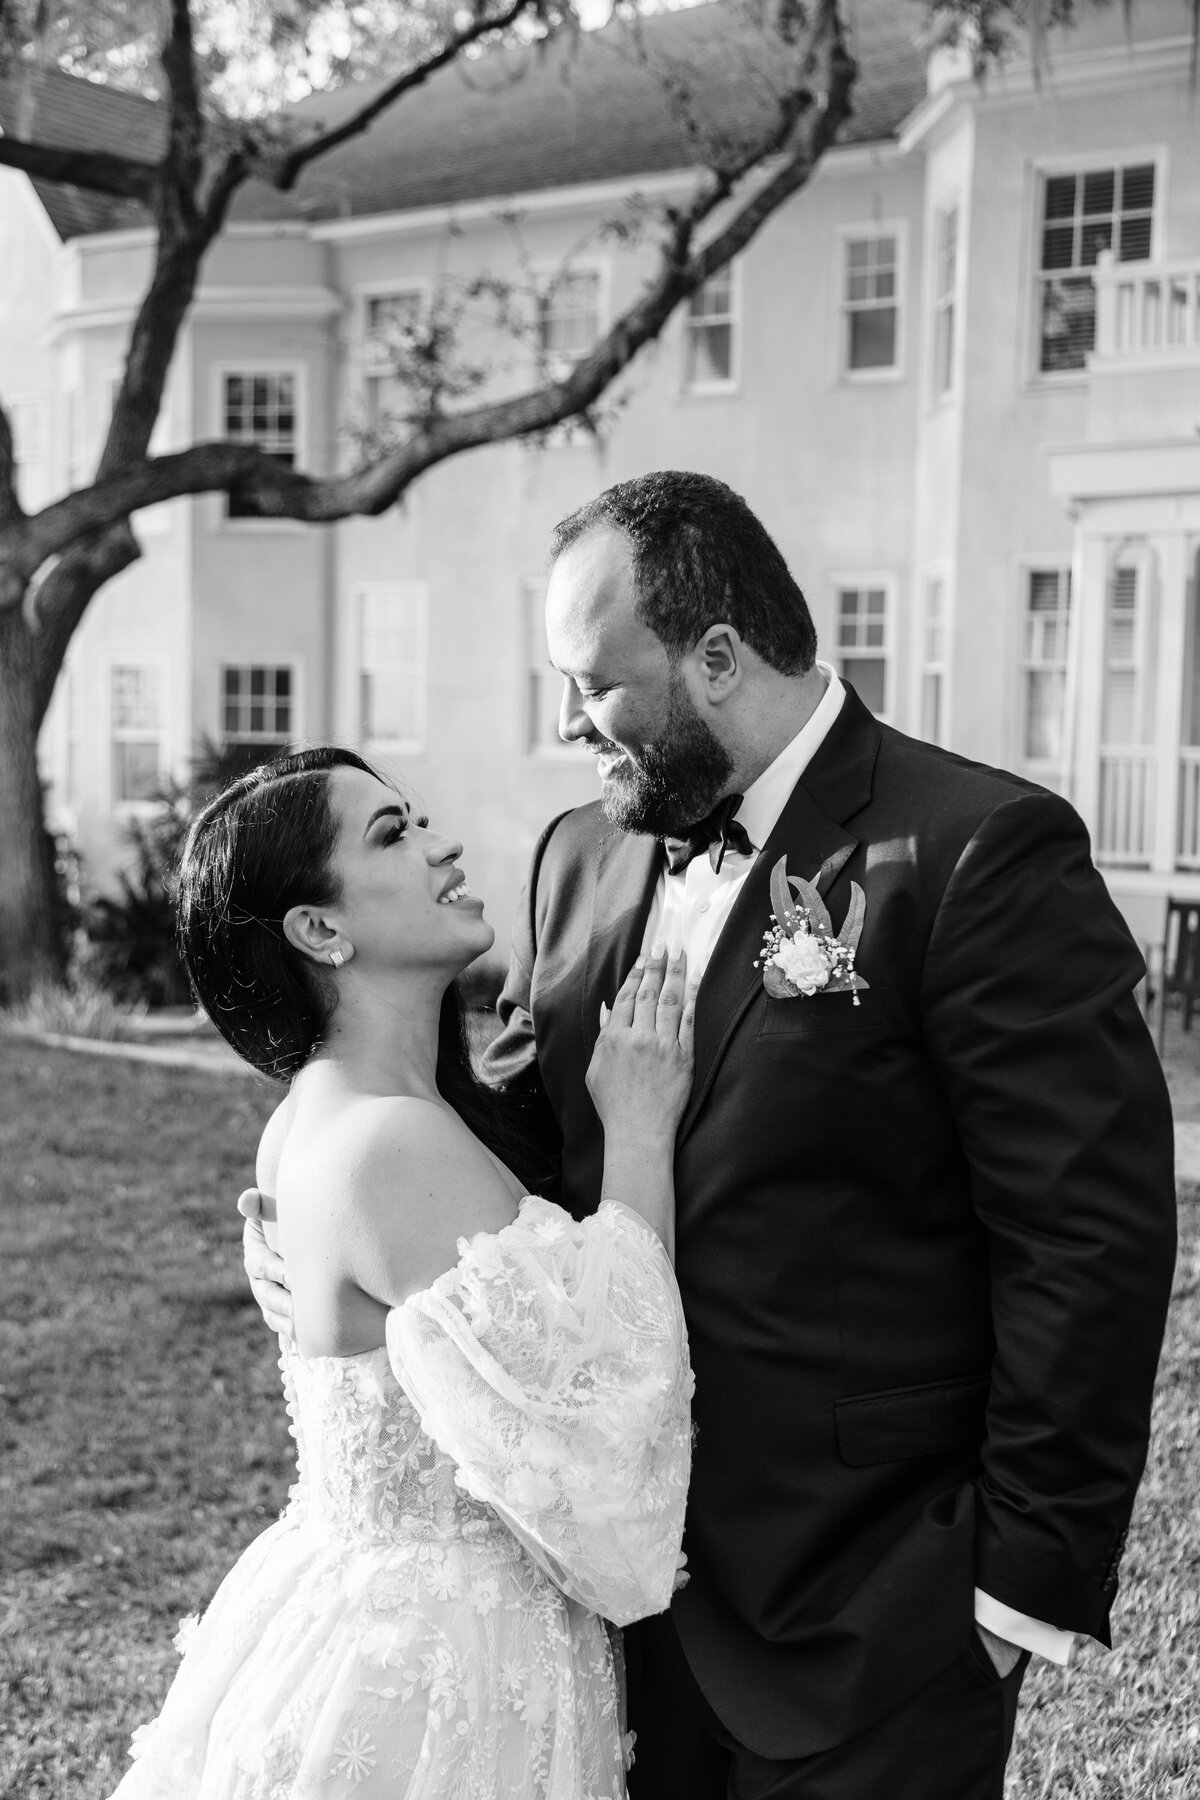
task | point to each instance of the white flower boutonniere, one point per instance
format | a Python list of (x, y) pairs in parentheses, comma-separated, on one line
[(801, 953)]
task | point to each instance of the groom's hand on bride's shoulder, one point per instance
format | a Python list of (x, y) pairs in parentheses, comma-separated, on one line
[(264, 1270)]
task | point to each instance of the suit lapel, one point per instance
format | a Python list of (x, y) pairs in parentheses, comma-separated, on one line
[(810, 832), (624, 871)]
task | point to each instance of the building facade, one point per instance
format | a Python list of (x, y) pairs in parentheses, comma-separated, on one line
[(958, 377)]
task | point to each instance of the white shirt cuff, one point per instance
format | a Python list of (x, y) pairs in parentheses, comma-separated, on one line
[(1018, 1628)]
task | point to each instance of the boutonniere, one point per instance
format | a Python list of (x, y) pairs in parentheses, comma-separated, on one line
[(801, 953)]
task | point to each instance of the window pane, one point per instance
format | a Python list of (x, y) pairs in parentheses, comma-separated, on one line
[(1068, 323), (868, 676), (710, 354), (1097, 236), (1044, 694), (873, 338), (931, 706), (1060, 196), (943, 350), (1137, 187), (135, 769), (1135, 240), (1099, 191), (1058, 247)]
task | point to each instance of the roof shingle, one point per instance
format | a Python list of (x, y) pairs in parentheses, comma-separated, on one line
[(510, 121)]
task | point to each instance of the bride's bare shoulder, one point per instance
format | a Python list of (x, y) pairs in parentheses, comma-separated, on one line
[(414, 1181)]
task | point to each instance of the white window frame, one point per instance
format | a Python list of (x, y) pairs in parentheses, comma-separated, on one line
[(123, 808), (1083, 162), (29, 417), (855, 233), (252, 366), (842, 580), (731, 383), (254, 661), (545, 274), (420, 287), (945, 302), (536, 666), (1134, 555), (1044, 769), (933, 574), (417, 592)]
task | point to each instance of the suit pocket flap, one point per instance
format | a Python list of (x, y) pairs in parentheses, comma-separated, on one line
[(914, 1421)]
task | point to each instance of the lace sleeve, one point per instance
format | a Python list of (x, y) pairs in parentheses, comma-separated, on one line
[(552, 1365)]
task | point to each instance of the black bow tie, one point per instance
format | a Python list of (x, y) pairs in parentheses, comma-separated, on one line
[(717, 833)]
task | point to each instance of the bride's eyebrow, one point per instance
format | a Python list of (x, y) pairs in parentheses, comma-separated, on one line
[(387, 812)]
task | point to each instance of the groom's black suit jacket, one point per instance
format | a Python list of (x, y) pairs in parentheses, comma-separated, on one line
[(924, 1244)]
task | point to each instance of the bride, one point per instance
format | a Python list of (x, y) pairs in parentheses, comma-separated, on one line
[(490, 1401)]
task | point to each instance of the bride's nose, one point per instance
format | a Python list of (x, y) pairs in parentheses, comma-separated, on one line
[(443, 850)]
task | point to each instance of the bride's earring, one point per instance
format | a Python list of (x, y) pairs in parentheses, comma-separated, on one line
[(336, 958)]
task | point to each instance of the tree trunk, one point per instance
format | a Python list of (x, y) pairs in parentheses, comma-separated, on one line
[(29, 940)]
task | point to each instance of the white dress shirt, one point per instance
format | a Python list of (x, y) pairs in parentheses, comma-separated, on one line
[(691, 907)]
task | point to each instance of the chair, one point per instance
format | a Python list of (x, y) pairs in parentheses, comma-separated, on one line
[(1180, 963)]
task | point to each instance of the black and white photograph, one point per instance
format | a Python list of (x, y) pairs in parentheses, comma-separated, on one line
[(599, 900)]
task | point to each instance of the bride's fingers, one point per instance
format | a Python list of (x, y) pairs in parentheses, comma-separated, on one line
[(687, 1020), (646, 999), (670, 999), (622, 1006)]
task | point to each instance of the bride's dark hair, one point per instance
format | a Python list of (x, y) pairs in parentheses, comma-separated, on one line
[(264, 844)]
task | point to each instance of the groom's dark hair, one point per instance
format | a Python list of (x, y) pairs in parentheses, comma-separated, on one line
[(701, 557)]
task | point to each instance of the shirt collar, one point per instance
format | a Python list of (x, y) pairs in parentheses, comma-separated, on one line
[(765, 799)]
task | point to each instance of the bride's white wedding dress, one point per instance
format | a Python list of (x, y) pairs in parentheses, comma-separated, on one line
[(424, 1620)]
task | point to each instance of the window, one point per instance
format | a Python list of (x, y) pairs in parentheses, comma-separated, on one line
[(945, 281), (259, 407), (257, 705), (862, 643), (569, 315), (708, 335), (76, 446), (870, 304), (1130, 659), (1083, 214), (136, 732), (30, 422), (1045, 636), (392, 673), (933, 661), (389, 331), (543, 683)]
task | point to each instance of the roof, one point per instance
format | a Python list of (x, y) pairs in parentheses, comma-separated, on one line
[(512, 120), (71, 113)]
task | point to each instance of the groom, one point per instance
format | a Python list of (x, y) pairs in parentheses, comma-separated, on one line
[(925, 1202), (925, 1226)]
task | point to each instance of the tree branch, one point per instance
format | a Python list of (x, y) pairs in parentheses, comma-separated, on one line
[(119, 176), (284, 493), (288, 171)]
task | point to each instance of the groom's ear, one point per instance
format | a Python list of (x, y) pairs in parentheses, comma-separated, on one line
[(720, 660)]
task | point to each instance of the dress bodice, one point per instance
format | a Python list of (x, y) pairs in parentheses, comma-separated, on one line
[(365, 1469)]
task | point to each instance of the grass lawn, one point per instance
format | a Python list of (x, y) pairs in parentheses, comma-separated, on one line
[(144, 1444)]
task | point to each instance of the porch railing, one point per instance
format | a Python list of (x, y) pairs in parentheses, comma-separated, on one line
[(1187, 849), (1126, 823), (1146, 308)]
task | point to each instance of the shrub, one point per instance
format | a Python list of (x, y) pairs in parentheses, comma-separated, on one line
[(83, 1009)]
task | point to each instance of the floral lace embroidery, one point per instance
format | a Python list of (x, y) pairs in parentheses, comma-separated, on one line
[(421, 1623)]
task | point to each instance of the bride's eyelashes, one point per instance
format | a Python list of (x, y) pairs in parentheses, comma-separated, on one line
[(397, 831)]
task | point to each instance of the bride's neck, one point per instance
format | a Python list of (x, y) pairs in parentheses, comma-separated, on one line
[(383, 1037)]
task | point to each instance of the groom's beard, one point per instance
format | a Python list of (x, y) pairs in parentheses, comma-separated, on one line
[(665, 787)]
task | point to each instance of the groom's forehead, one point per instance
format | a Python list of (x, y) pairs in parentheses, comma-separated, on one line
[(590, 616)]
